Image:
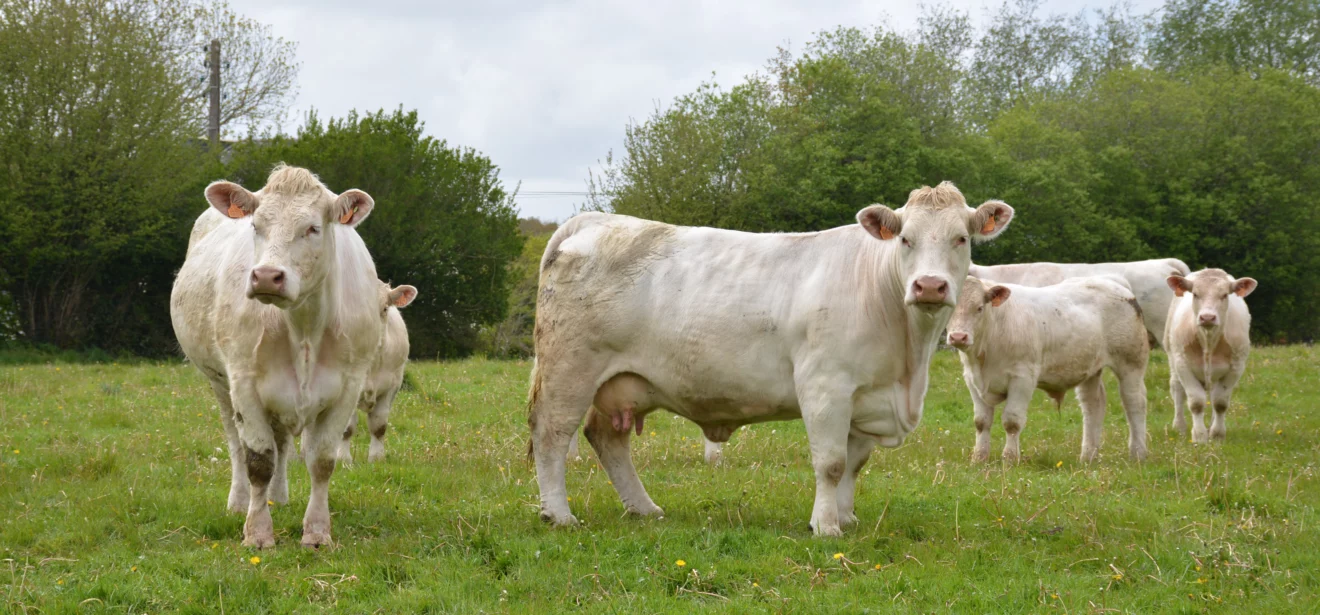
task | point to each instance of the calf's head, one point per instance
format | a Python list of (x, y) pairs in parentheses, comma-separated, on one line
[(291, 219), (934, 231), (1210, 290), (395, 297), (969, 317)]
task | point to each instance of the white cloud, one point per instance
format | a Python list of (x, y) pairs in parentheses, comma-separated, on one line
[(545, 88)]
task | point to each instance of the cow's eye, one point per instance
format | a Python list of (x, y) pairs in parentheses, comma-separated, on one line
[(962, 241), (906, 243), (980, 309), (313, 230)]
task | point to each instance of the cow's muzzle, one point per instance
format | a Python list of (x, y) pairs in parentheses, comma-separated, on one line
[(266, 284)]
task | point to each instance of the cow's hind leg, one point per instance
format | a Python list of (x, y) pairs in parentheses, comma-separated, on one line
[(859, 450), (1091, 394), (279, 483), (611, 444), (560, 397), (1132, 389), (238, 476)]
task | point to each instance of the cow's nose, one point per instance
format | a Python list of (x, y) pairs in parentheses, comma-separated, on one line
[(958, 339), (930, 289), (1208, 319), (267, 281)]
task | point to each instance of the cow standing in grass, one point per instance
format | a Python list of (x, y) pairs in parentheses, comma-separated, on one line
[(1146, 279), (1208, 341), (277, 305), (386, 376), (1015, 339), (728, 328)]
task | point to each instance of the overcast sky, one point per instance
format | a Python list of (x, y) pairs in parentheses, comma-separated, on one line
[(545, 88)]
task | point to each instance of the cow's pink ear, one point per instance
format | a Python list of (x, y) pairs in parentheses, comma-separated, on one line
[(989, 220), (352, 207), (231, 199), (881, 222), (401, 296), (1179, 284), (1243, 286), (997, 295)]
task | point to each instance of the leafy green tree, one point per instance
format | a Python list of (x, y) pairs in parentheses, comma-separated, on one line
[(443, 221), (1243, 34)]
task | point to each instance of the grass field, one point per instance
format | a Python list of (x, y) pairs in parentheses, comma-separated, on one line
[(114, 481)]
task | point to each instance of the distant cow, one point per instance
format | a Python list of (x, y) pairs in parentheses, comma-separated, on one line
[(1208, 341), (728, 328), (1145, 278), (1015, 339), (277, 305), (386, 375)]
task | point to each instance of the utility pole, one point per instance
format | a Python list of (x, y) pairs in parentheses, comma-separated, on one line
[(213, 121)]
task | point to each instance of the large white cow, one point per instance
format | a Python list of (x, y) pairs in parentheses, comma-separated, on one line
[(1146, 278), (276, 304), (1015, 339), (1208, 341), (386, 376), (728, 328)]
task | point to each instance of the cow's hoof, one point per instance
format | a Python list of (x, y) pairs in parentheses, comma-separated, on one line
[(1088, 456), (847, 520), (316, 540), (259, 540), (1137, 454), (980, 456), (565, 520), (238, 505), (1180, 428), (376, 457), (821, 529), (646, 510)]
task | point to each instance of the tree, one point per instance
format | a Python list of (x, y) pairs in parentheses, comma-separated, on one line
[(443, 221), (95, 160), (1244, 34)]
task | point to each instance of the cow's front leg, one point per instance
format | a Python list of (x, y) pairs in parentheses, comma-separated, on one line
[(259, 454), (378, 421), (859, 450), (238, 477), (827, 412), (321, 440), (1220, 396), (1179, 403), (1091, 396), (983, 416), (1014, 416), (279, 484)]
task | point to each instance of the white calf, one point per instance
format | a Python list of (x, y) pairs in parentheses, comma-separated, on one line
[(1208, 341)]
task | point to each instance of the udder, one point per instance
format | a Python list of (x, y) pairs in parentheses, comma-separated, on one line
[(624, 398)]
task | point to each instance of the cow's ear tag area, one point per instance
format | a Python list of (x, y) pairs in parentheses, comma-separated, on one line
[(885, 233), (235, 211), (348, 216), (989, 226)]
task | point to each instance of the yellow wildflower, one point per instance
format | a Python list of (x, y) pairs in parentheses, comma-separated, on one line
[(1059, 465), (680, 563), (255, 560), (838, 556)]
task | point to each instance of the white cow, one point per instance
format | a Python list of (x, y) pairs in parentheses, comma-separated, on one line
[(1145, 278), (1208, 341), (276, 304), (728, 328), (386, 374), (1015, 339)]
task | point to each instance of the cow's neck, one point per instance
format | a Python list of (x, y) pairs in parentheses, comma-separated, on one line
[(308, 323)]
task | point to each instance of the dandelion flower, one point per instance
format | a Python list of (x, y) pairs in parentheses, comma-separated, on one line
[(15, 451), (1059, 465), (270, 502), (570, 499), (1118, 577), (755, 584), (838, 556), (680, 563), (214, 545), (133, 569), (59, 582), (877, 566), (1279, 432), (1200, 580), (255, 560), (1054, 596)]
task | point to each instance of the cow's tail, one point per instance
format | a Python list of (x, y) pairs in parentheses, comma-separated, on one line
[(533, 398)]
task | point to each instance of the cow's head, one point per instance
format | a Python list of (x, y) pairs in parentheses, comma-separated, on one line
[(935, 230), (291, 218), (1210, 289), (969, 317)]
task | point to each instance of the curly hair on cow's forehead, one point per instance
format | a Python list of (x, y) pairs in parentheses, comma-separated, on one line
[(291, 181), (939, 197)]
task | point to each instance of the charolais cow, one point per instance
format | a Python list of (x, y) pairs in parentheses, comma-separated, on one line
[(277, 305), (1015, 339), (1208, 341), (1145, 278), (386, 375), (727, 328)]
